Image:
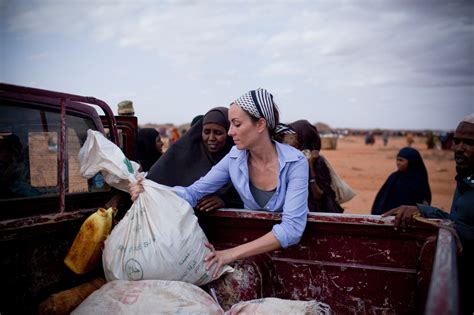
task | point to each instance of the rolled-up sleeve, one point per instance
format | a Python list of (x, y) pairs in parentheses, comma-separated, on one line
[(295, 207)]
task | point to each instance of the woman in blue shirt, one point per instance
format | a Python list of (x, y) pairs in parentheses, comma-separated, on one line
[(266, 174)]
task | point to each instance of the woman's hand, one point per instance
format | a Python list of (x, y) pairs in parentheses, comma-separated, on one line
[(220, 258), (263, 244), (210, 203), (135, 189)]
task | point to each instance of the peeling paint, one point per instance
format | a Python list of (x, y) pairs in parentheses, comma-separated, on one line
[(354, 264), (39, 220), (386, 251)]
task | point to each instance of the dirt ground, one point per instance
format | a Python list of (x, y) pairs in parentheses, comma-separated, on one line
[(366, 167)]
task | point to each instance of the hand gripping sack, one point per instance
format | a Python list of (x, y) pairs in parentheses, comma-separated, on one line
[(159, 237), (343, 191)]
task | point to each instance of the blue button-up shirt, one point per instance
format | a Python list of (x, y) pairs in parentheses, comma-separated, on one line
[(290, 197)]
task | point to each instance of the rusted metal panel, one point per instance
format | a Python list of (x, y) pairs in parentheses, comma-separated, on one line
[(355, 289), (62, 153), (33, 221), (355, 263)]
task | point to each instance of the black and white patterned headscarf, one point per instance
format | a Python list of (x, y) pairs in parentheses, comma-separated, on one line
[(282, 129), (259, 103)]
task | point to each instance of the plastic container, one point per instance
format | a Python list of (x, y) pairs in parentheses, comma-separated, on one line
[(65, 302), (86, 249)]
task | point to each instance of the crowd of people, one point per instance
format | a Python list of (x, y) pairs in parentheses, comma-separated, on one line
[(243, 157), (434, 139)]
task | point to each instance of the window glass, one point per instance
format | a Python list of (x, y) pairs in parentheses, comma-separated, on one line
[(43, 158), (29, 152), (76, 183)]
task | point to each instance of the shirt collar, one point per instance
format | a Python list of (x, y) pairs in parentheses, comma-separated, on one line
[(285, 152)]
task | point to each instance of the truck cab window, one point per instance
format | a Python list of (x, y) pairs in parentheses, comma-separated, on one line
[(14, 175), (30, 146)]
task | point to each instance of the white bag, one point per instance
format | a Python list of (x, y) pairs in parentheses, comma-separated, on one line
[(148, 297), (343, 191), (159, 237), (275, 306)]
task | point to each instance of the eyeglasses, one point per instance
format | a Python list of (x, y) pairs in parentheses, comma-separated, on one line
[(469, 142)]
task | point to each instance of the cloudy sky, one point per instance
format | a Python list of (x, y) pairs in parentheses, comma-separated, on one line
[(352, 63)]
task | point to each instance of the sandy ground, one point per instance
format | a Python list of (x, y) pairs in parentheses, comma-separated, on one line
[(365, 169)]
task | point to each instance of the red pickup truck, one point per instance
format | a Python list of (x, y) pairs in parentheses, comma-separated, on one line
[(43, 198), (357, 264)]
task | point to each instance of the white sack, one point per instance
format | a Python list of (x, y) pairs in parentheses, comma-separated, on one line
[(159, 237), (148, 297), (98, 154), (343, 191), (275, 306)]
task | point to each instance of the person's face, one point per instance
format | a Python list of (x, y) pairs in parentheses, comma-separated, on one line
[(402, 164), (292, 140), (158, 144), (463, 145), (213, 137), (244, 131)]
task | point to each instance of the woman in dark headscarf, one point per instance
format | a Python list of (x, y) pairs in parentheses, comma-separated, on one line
[(194, 154), (149, 147), (407, 186), (321, 197)]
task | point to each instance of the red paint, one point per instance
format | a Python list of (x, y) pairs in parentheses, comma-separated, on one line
[(355, 263)]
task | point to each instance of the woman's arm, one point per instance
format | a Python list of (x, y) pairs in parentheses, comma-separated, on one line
[(295, 207), (261, 245), (217, 177)]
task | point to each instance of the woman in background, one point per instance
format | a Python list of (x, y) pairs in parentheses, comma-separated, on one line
[(321, 197), (407, 186), (149, 147), (194, 154)]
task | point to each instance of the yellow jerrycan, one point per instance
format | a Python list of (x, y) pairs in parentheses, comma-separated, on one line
[(86, 249)]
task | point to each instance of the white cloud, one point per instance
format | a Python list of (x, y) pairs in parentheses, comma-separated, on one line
[(332, 51)]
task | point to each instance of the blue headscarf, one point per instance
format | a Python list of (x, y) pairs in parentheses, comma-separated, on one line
[(404, 188)]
